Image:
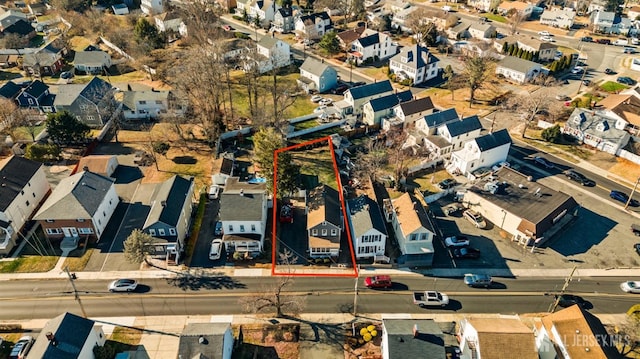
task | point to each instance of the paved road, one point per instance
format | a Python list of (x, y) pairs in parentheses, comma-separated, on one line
[(219, 295)]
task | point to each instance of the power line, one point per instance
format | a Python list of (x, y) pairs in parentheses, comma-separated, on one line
[(75, 291)]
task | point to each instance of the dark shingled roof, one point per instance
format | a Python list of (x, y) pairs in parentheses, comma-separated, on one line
[(15, 173), (427, 342), (285, 11), (20, 27), (369, 40), (370, 89), (70, 332), (493, 140), (416, 106), (36, 88), (211, 347), (241, 201), (365, 214), (10, 90), (389, 101), (463, 126), (169, 200), (441, 117)]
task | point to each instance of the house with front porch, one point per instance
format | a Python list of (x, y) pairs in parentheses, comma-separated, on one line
[(313, 26), (368, 230), (376, 110), (148, 104), (483, 151), (415, 63), (346, 37), (451, 136), (23, 187), (324, 222), (80, 206), (243, 213), (317, 75), (375, 47), (597, 130), (560, 18), (486, 338)]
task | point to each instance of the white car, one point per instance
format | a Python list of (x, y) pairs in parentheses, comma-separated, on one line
[(326, 101), (630, 287), (577, 70), (216, 249), (546, 39), (320, 108), (316, 98), (475, 218), (544, 33), (214, 191), (123, 285), (456, 241)]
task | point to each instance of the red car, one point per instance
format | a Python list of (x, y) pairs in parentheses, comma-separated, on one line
[(286, 213), (379, 281)]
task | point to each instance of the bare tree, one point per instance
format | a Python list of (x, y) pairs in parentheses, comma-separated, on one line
[(627, 335), (476, 71), (343, 7), (423, 30), (398, 152), (529, 105), (202, 17), (514, 19), (371, 161), (272, 298)]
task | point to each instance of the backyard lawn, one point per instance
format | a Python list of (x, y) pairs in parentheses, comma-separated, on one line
[(613, 87), (29, 264)]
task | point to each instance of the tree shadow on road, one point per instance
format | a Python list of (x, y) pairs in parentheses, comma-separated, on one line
[(199, 280)]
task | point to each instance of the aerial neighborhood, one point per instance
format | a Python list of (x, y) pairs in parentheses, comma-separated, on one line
[(234, 165)]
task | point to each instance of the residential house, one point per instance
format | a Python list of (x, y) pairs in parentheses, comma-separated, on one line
[(430, 123), (147, 104), (368, 231), (546, 51), (36, 96), (413, 230), (596, 5), (442, 22), (104, 165), (482, 31), (283, 21), (21, 28), (634, 13), (91, 103), (624, 108), (524, 9), (412, 338), (152, 7), (530, 213), (313, 26), (347, 37), (272, 53), (406, 113), (91, 62), (170, 214), (120, 9), (607, 22), (243, 213), (414, 63), (10, 17), (324, 221), (560, 18), (171, 22), (47, 61), (377, 109), (81, 205), (483, 151), (68, 336), (487, 337), (317, 76), (451, 136), (23, 188), (572, 332), (356, 97), (7, 61), (223, 168), (37, 9), (484, 5), (518, 70), (596, 130), (395, 6), (264, 10), (10, 91), (374, 47), (400, 18), (206, 340)]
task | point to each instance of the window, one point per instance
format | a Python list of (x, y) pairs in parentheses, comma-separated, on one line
[(230, 228), (172, 231), (158, 102), (91, 118), (314, 232), (152, 231), (253, 228), (80, 219), (242, 228), (85, 230), (142, 102), (334, 232), (104, 214), (161, 231), (53, 231), (100, 222), (324, 232)]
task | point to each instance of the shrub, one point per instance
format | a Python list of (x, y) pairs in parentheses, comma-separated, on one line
[(552, 134)]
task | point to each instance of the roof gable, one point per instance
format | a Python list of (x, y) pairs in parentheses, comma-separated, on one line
[(168, 201), (410, 216), (36, 88), (370, 89), (370, 40), (365, 215), (389, 101), (10, 90), (441, 117), (70, 333), (314, 66), (416, 106), (15, 173), (468, 124), (242, 201), (493, 140), (323, 205)]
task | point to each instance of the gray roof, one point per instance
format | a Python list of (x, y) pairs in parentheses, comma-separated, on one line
[(130, 98), (593, 124), (268, 42), (427, 342), (370, 89), (43, 57), (211, 347), (417, 56), (608, 16), (314, 66), (168, 201), (242, 201), (94, 91), (463, 126), (15, 173), (70, 332), (517, 64), (91, 58), (328, 198), (493, 140), (77, 196), (389, 101), (441, 117), (480, 26), (364, 214), (461, 27)]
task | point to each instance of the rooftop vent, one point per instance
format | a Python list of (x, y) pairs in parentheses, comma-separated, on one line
[(202, 340)]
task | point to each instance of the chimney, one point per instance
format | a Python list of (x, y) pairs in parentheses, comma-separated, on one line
[(415, 331), (51, 338), (85, 168), (163, 203)]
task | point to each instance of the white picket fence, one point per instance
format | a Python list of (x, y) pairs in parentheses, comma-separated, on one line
[(628, 156)]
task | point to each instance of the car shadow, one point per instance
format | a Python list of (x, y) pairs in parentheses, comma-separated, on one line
[(497, 285), (399, 286), (142, 288), (454, 305)]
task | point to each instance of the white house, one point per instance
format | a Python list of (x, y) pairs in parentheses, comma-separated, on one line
[(91, 62), (483, 151), (375, 110), (560, 18), (518, 70), (68, 336), (596, 130), (374, 47), (408, 112), (313, 26), (484, 5), (524, 9), (272, 53), (400, 18), (171, 21), (265, 10), (120, 9), (23, 187), (152, 7), (431, 122), (324, 222), (415, 63), (451, 136), (356, 97), (317, 75), (482, 31), (608, 22), (367, 227), (283, 20), (145, 104), (243, 213), (546, 50), (485, 338), (413, 230)]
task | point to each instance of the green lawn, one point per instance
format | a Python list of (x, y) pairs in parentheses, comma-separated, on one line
[(30, 264), (494, 17), (24, 134), (613, 87)]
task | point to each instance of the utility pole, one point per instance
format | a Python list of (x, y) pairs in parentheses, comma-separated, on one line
[(632, 192), (554, 305), (355, 296), (75, 291)]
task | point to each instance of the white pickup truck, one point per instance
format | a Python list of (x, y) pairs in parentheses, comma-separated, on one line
[(621, 42), (430, 298)]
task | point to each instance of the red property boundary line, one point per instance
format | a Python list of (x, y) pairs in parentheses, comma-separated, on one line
[(274, 239)]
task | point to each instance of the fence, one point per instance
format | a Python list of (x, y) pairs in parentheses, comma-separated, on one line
[(629, 156), (116, 48), (322, 127)]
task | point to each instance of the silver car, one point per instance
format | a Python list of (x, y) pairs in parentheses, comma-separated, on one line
[(123, 285), (475, 218)]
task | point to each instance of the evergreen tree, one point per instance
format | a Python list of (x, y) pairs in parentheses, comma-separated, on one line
[(505, 48), (519, 53)]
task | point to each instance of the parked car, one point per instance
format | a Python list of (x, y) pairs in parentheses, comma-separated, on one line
[(430, 298), (214, 191), (66, 75), (543, 162), (623, 197), (626, 80), (216, 249), (577, 70), (286, 213), (378, 281), (544, 33), (456, 241), (609, 71), (562, 97), (326, 101), (22, 347), (475, 218), (547, 39), (567, 300), (579, 177), (586, 39), (630, 287), (316, 98), (629, 50), (478, 280), (637, 248), (340, 89), (447, 183), (320, 108), (604, 41), (466, 253), (123, 285), (452, 209), (635, 228)]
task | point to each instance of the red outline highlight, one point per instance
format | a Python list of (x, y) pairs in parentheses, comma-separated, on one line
[(336, 173)]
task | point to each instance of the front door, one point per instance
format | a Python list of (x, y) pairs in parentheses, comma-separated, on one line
[(70, 231)]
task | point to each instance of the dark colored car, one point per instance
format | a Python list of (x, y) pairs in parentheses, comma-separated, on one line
[(22, 347), (608, 71), (466, 253), (604, 41), (586, 82), (359, 83), (623, 197), (579, 177), (626, 80), (66, 75), (340, 89), (543, 162), (447, 183), (478, 280), (637, 248), (567, 300), (587, 39), (218, 229)]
